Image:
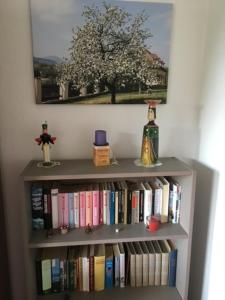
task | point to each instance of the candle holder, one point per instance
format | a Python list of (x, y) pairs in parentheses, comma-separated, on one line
[(101, 149)]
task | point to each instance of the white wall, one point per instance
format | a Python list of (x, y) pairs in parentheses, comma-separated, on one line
[(20, 117), (211, 165)]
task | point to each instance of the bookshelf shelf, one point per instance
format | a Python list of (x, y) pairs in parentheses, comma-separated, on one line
[(84, 171), (106, 234), (142, 293)]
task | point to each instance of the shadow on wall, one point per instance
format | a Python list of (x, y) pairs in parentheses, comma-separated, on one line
[(206, 194)]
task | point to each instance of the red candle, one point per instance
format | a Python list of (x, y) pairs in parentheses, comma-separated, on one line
[(153, 224)]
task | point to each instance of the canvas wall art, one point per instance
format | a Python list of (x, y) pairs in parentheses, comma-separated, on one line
[(100, 52)]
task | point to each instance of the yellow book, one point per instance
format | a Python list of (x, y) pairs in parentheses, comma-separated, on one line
[(99, 267)]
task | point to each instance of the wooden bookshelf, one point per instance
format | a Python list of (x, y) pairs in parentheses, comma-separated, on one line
[(84, 171)]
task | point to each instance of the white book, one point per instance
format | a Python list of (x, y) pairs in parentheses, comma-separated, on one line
[(131, 259), (165, 199), (147, 202), (54, 202), (151, 268), (157, 201), (116, 253), (76, 209), (122, 265), (165, 248), (158, 262), (138, 264), (145, 263), (85, 268)]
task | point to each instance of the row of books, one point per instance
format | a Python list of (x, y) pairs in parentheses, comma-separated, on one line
[(96, 267), (105, 203)]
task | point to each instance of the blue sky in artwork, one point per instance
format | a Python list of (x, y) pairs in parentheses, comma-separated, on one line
[(53, 20)]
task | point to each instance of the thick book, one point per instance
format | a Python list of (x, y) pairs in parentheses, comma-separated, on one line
[(47, 207), (165, 199), (151, 273), (158, 262), (37, 207), (174, 200), (54, 204), (147, 202), (96, 204), (99, 268), (165, 249), (124, 199), (108, 266), (172, 264)]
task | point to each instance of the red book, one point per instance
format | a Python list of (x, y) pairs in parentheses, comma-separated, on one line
[(89, 207)]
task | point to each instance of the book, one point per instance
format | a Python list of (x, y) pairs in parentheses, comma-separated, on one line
[(131, 264), (89, 206), (151, 274), (124, 199), (85, 268), (112, 203), (172, 264), (71, 210), (108, 266), (55, 269), (63, 269), (47, 207), (99, 268), (157, 197), (165, 199), (37, 206), (147, 202), (63, 209), (106, 195), (54, 202), (82, 207), (96, 204), (43, 274), (91, 267), (174, 200), (120, 203), (133, 203), (138, 264), (116, 253), (158, 262), (71, 268), (76, 208), (116, 207), (101, 203), (122, 265), (145, 267), (165, 249)]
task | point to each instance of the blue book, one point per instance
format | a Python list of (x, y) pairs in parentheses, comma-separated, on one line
[(109, 266), (172, 264), (71, 210), (112, 204), (37, 205), (55, 275)]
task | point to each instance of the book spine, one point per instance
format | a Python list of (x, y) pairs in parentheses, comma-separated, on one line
[(177, 216), (76, 210), (62, 276), (158, 261), (108, 207), (116, 207), (141, 206), (55, 275), (46, 276), (145, 269), (47, 210), (109, 273), (129, 206), (54, 202), (172, 268), (85, 273), (71, 266), (99, 272), (164, 268), (122, 270), (147, 205), (151, 273), (112, 208), (37, 208), (137, 197), (82, 209), (63, 209), (91, 273), (89, 208), (71, 210), (134, 208), (96, 208), (124, 195), (117, 271), (38, 277), (158, 203), (105, 197), (120, 207), (101, 207)]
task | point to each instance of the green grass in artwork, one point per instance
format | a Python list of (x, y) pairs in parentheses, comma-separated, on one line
[(125, 98)]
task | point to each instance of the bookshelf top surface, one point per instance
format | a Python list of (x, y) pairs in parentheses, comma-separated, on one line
[(85, 169), (107, 234)]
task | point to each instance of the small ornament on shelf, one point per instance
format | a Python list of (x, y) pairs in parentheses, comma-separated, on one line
[(150, 140), (101, 149), (152, 224), (44, 140)]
